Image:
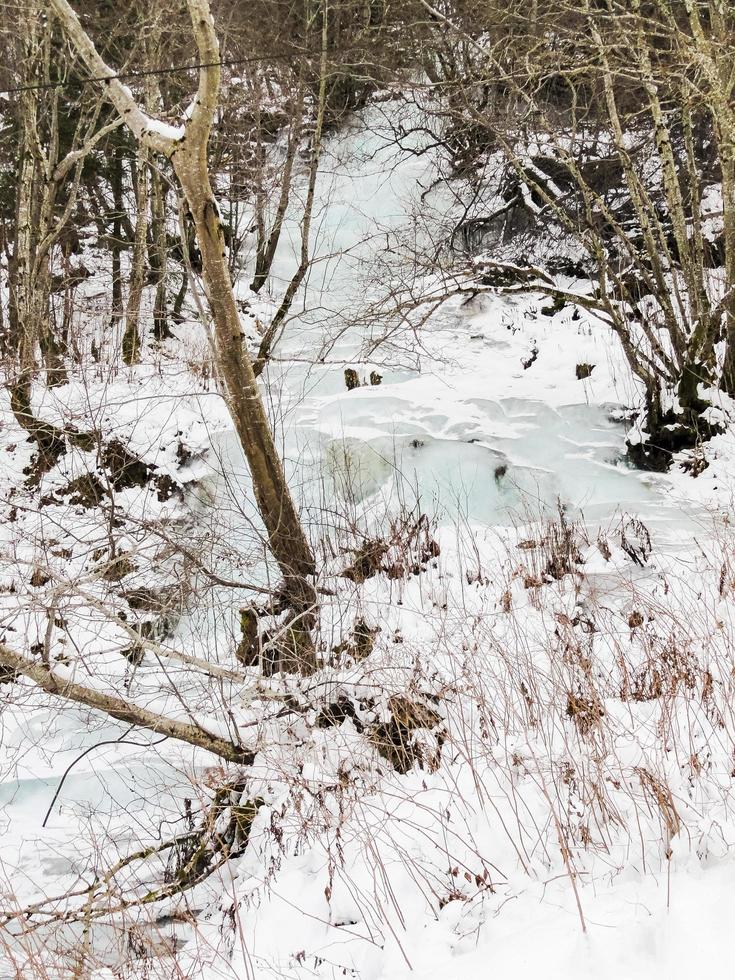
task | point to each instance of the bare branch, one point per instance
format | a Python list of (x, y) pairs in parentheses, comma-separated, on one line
[(133, 714)]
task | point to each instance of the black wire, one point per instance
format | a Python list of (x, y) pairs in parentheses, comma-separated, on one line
[(143, 72)]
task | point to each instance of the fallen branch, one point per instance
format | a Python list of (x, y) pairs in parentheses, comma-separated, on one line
[(132, 714)]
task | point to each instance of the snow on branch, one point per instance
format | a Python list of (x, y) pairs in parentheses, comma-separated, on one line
[(53, 683)]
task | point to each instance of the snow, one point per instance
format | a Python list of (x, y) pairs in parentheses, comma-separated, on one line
[(473, 865), (167, 131)]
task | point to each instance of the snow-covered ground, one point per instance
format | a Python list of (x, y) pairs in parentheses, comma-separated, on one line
[(571, 812)]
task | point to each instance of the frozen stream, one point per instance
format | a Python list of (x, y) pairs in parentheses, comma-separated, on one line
[(457, 421)]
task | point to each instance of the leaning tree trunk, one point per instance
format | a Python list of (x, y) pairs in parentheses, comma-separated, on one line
[(286, 536)]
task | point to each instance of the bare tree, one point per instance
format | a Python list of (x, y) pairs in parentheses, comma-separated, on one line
[(186, 147), (611, 134), (46, 195), (131, 338), (266, 257)]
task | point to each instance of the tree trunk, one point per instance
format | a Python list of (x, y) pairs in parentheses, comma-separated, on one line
[(116, 179), (159, 254), (26, 306), (268, 243), (131, 337), (288, 542)]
